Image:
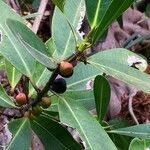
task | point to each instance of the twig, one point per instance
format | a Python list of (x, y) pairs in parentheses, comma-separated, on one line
[(38, 19), (131, 108), (14, 4), (44, 91)]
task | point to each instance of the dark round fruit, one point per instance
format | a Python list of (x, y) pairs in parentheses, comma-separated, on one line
[(65, 69), (45, 102), (59, 85), (21, 99)]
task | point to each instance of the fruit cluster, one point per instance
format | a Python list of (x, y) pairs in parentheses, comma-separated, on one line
[(65, 69)]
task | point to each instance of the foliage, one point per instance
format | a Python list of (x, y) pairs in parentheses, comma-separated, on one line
[(26, 58)]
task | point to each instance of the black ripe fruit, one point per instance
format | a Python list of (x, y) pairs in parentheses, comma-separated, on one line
[(65, 69), (59, 85), (21, 99)]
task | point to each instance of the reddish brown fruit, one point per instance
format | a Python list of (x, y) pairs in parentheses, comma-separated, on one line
[(45, 102), (66, 69), (21, 99)]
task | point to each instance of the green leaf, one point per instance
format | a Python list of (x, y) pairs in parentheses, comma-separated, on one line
[(63, 36), (74, 10), (120, 21), (82, 76), (118, 123), (41, 77), (5, 100), (50, 46), (139, 131), (40, 57), (16, 57), (137, 144), (122, 142), (13, 74), (102, 96), (100, 16), (21, 131), (2, 63), (18, 28), (21, 37), (53, 135), (59, 3), (83, 97), (148, 10), (7, 12), (116, 64), (76, 116), (10, 48)]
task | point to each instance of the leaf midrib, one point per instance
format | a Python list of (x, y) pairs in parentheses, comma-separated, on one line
[(50, 134), (15, 48), (23, 123), (78, 123), (74, 21), (91, 62)]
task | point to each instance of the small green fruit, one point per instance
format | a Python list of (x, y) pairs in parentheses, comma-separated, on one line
[(45, 102), (36, 110)]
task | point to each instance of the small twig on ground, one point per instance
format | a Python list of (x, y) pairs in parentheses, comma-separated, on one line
[(38, 19), (14, 4), (131, 108)]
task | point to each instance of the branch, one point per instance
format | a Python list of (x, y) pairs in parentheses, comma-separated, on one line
[(38, 19)]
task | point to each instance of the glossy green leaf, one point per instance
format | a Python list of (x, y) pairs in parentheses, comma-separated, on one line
[(18, 28), (41, 76), (7, 12), (116, 64), (82, 77), (10, 48), (100, 16), (102, 96), (74, 10), (53, 135), (5, 100), (50, 46), (147, 11), (2, 63), (120, 21), (13, 74), (83, 97), (137, 144), (62, 35), (59, 3), (40, 57), (7, 50), (21, 37), (21, 132), (122, 142), (76, 116), (139, 131)]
